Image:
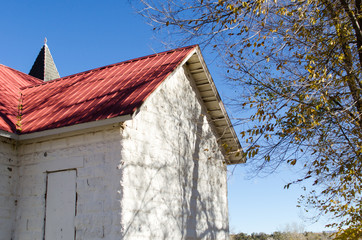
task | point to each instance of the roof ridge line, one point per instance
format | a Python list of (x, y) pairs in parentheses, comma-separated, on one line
[(32, 78), (109, 66)]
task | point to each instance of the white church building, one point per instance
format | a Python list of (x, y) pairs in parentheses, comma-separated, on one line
[(133, 150)]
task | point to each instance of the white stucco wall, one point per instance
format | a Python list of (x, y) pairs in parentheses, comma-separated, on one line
[(8, 187), (158, 176), (174, 178), (96, 157)]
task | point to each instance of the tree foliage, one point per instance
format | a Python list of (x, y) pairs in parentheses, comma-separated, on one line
[(298, 63), (282, 236)]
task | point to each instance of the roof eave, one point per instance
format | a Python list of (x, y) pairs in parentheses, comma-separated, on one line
[(67, 129), (9, 135), (216, 110)]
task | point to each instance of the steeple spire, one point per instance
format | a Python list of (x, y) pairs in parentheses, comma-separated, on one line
[(44, 67)]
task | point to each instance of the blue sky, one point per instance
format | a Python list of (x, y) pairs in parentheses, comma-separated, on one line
[(87, 34)]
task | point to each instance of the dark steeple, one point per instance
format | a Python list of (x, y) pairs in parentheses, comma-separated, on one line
[(44, 67)]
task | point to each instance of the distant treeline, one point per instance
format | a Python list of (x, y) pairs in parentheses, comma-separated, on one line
[(282, 236)]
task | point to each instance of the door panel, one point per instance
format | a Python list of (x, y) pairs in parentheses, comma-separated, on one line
[(60, 205)]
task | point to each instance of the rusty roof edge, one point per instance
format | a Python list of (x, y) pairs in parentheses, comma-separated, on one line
[(239, 154)]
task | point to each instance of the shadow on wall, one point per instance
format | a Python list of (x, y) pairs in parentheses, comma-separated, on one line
[(176, 187)]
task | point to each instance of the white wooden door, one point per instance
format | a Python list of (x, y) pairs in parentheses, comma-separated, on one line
[(60, 205)]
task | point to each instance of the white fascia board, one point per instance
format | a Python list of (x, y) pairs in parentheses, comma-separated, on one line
[(226, 118), (8, 135), (77, 127)]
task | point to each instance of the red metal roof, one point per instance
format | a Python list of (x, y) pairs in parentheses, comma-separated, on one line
[(101, 93), (10, 83)]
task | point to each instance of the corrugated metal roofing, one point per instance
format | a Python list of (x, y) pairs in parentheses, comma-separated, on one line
[(10, 83), (30, 105), (98, 94)]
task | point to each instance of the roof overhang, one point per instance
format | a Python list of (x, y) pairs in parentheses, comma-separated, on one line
[(215, 108), (204, 83), (68, 129)]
